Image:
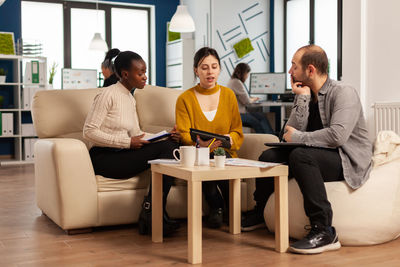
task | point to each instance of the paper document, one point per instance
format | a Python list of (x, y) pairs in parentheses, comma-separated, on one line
[(157, 136), (164, 161), (249, 163)]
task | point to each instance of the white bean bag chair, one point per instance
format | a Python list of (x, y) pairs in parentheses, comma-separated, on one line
[(366, 216)]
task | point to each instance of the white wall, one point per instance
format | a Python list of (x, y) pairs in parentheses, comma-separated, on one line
[(223, 23), (371, 54)]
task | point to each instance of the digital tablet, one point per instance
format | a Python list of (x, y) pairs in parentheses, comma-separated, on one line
[(205, 136), (285, 144)]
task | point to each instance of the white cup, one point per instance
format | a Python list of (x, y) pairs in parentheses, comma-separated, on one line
[(202, 156), (187, 155)]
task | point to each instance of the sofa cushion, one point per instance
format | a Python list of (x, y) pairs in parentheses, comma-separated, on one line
[(140, 181), (156, 113), (58, 113)]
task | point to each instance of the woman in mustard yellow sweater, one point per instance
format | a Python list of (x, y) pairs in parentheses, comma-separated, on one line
[(213, 108)]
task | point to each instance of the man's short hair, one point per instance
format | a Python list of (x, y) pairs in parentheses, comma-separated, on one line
[(315, 56)]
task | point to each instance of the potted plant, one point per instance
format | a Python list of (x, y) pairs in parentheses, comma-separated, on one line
[(219, 157), (3, 74), (52, 73)]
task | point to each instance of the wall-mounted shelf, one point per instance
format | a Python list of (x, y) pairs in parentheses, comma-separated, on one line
[(12, 147), (180, 64)]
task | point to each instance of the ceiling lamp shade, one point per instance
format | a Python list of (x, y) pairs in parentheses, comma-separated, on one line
[(98, 43), (181, 21)]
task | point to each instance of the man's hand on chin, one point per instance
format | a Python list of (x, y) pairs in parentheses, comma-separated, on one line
[(299, 89)]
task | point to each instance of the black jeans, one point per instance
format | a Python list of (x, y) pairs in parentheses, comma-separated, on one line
[(311, 167), (125, 163), (216, 193)]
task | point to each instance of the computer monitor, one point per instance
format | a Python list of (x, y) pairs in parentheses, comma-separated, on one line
[(267, 83), (78, 78)]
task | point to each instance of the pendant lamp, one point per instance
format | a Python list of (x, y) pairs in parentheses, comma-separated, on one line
[(181, 21), (97, 42)]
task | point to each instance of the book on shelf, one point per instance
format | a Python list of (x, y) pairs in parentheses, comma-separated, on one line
[(27, 96), (35, 72), (29, 148), (7, 124)]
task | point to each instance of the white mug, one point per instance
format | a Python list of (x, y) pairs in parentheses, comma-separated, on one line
[(187, 155), (202, 156)]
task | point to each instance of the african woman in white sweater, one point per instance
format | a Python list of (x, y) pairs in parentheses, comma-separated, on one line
[(118, 149)]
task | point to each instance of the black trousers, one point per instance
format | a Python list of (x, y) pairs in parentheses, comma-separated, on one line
[(216, 193), (125, 163), (311, 167)]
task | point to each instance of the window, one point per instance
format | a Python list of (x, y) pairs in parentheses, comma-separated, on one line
[(325, 26), (47, 30), (315, 22), (298, 29), (84, 23), (68, 27), (137, 40)]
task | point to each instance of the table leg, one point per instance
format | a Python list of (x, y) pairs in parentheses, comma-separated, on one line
[(157, 207), (234, 206), (281, 214), (194, 222)]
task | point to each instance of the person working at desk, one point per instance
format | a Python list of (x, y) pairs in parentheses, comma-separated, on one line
[(213, 108), (327, 117), (255, 120)]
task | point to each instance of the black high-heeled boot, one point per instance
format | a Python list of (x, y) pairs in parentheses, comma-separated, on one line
[(145, 220)]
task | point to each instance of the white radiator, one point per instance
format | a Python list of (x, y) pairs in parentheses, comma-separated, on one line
[(387, 116)]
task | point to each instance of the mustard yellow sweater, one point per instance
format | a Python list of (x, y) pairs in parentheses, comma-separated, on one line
[(226, 121)]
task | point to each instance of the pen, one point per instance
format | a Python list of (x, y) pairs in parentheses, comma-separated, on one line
[(197, 143), (211, 142)]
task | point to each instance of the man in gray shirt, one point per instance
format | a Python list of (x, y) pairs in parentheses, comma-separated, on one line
[(327, 117)]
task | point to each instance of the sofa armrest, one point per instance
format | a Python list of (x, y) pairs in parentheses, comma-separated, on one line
[(65, 183), (253, 145)]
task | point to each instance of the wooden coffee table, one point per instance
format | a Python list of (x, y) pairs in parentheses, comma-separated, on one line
[(195, 176)]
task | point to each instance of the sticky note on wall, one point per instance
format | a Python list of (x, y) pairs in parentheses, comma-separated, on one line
[(243, 47)]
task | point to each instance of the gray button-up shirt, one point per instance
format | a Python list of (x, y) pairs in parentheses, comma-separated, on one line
[(344, 128)]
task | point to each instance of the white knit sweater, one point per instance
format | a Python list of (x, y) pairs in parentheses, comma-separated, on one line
[(112, 119)]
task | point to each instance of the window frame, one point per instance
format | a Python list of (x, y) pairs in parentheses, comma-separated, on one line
[(312, 33), (67, 5)]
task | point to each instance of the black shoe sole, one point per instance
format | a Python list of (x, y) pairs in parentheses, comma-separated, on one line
[(329, 247)]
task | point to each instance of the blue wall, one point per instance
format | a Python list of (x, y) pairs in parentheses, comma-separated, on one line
[(10, 21)]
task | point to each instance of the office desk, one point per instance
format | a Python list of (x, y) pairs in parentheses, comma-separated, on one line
[(274, 104)]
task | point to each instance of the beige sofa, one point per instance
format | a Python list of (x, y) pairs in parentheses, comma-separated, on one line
[(68, 191)]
